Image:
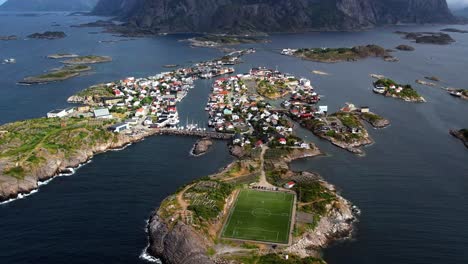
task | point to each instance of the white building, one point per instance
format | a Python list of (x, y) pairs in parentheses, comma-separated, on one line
[(60, 112), (102, 113)]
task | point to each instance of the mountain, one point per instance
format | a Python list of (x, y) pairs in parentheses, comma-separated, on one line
[(48, 5), (119, 8), (462, 12), (244, 16)]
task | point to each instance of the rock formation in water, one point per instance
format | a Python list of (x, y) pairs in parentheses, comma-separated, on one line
[(243, 16), (48, 5)]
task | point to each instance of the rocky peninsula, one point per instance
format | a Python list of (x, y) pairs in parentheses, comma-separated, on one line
[(50, 35), (180, 232), (56, 75), (333, 55), (37, 150)]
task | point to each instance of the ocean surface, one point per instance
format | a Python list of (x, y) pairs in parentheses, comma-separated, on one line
[(412, 186)]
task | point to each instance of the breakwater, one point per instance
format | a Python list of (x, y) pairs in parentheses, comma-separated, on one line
[(194, 133)]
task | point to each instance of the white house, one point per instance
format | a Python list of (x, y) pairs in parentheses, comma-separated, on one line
[(57, 113), (117, 128), (60, 112), (102, 113)]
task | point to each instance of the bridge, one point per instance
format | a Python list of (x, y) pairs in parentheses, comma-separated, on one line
[(193, 133)]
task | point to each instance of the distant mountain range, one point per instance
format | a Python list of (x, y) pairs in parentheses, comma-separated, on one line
[(245, 16), (48, 5), (462, 12)]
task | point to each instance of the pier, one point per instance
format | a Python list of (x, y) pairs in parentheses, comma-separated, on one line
[(193, 133)]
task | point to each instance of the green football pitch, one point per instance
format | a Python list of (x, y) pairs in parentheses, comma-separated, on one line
[(260, 216)]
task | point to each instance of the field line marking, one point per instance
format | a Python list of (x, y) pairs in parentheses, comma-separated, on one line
[(230, 214)]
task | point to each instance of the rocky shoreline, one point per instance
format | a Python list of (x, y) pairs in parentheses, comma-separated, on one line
[(460, 134), (11, 188)]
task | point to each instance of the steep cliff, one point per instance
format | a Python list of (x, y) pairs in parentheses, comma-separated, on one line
[(179, 244), (115, 7), (243, 16), (48, 5)]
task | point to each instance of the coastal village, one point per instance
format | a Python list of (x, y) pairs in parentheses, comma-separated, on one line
[(151, 102)]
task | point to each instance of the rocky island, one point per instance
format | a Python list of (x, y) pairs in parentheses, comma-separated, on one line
[(90, 59), (56, 75), (62, 56), (332, 55), (428, 37), (455, 30), (8, 38), (48, 35), (201, 146), (405, 48), (390, 88), (461, 134), (224, 40)]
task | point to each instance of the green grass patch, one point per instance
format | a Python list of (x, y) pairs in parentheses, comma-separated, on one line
[(260, 216), (16, 172)]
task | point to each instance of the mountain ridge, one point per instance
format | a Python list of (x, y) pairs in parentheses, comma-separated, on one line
[(268, 16)]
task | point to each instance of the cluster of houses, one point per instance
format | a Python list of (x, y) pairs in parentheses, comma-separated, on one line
[(150, 101), (234, 109)]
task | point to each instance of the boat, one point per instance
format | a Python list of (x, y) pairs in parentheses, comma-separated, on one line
[(9, 61), (379, 90), (455, 93)]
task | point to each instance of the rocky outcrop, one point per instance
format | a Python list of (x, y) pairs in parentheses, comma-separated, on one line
[(202, 146), (337, 224), (8, 38), (253, 16), (176, 243), (405, 48), (461, 134), (48, 35)]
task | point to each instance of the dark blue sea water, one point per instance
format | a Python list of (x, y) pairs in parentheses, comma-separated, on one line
[(412, 185)]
